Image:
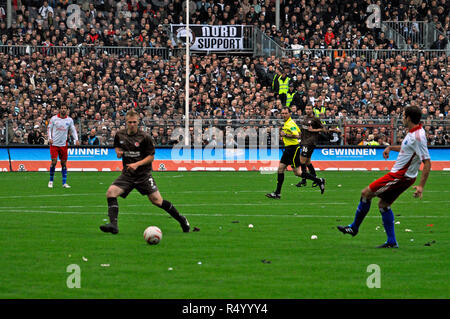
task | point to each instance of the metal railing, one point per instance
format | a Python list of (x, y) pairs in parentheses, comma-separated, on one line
[(262, 45), (265, 46), (436, 34), (169, 132), (21, 50), (266, 49), (417, 32), (363, 54), (406, 34), (392, 34)]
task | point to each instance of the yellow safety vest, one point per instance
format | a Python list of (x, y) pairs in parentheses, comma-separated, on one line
[(290, 97), (275, 78), (283, 87), (317, 112)]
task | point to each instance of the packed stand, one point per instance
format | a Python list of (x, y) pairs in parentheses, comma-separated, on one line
[(312, 24), (231, 92), (100, 89)]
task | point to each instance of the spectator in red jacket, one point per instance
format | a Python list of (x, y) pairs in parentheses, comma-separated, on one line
[(329, 36), (93, 35)]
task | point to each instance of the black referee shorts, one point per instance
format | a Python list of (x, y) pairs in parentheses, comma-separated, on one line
[(144, 184), (291, 156)]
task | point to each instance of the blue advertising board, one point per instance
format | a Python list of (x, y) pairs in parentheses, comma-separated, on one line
[(320, 154)]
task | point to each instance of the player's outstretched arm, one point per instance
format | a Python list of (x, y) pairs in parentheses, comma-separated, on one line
[(423, 178), (387, 150), (331, 129), (315, 130)]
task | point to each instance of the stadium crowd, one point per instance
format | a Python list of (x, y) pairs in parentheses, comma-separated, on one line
[(230, 91), (331, 23)]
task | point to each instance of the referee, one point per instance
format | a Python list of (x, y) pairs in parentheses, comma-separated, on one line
[(291, 155)]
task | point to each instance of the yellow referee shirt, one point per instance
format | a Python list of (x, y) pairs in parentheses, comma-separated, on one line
[(291, 128)]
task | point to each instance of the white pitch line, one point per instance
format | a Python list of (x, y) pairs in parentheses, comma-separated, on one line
[(189, 192), (104, 193), (49, 195), (208, 215), (184, 205), (321, 204), (164, 192)]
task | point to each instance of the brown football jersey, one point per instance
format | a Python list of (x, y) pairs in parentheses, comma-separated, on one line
[(307, 137), (135, 148)]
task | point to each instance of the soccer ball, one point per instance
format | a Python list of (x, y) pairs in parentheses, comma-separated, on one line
[(152, 235)]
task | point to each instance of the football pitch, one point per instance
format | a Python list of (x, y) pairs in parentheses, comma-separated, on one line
[(47, 233)]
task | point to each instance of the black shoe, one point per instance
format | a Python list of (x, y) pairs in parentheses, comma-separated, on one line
[(301, 183), (109, 228), (322, 185), (347, 230), (387, 245), (273, 195), (185, 225), (314, 184)]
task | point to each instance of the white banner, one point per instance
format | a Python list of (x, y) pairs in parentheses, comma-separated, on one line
[(203, 37)]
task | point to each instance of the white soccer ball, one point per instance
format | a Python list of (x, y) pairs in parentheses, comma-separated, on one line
[(152, 235)]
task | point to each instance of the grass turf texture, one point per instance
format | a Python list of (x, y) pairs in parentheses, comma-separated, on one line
[(43, 231)]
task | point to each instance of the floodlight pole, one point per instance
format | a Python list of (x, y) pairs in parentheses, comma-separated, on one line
[(277, 14), (8, 14), (186, 95)]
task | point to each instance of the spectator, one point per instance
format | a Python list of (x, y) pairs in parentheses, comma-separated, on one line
[(45, 10), (329, 36), (36, 136), (92, 138), (296, 47), (440, 43)]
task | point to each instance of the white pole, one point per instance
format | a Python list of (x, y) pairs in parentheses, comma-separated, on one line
[(277, 14), (8, 14), (186, 111)]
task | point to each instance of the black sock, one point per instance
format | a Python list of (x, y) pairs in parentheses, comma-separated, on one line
[(280, 181), (311, 170), (307, 175), (168, 207), (113, 210)]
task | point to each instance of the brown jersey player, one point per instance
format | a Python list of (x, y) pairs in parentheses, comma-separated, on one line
[(310, 130), (137, 150)]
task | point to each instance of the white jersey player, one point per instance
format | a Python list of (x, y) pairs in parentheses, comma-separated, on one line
[(388, 188), (58, 135), (58, 130), (413, 151)]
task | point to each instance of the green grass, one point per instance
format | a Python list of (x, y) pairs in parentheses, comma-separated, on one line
[(42, 231)]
